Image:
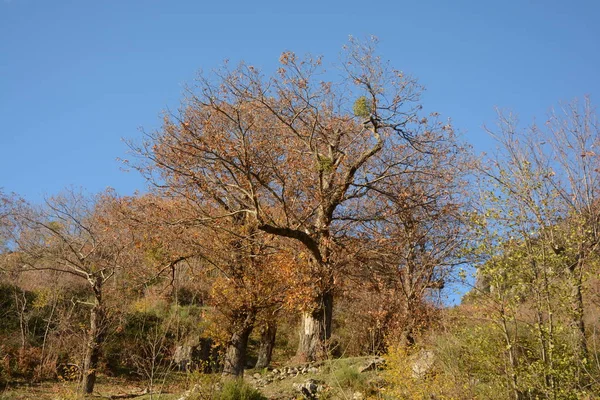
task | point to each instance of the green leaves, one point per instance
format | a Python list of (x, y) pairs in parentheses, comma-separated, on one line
[(362, 108)]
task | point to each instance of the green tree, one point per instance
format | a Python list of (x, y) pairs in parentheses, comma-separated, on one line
[(540, 234)]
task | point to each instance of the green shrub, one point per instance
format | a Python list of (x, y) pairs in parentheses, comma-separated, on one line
[(348, 376), (238, 390)]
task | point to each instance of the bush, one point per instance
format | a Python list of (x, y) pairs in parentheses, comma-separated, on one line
[(237, 389), (403, 383), (348, 376)]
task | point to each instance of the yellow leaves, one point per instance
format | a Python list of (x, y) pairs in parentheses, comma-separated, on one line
[(43, 298), (411, 375)]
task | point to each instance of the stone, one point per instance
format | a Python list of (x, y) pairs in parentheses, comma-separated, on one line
[(189, 393), (183, 357), (422, 362), (373, 364), (309, 389)]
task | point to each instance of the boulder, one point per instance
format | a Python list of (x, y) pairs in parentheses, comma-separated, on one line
[(422, 362), (309, 389), (373, 364), (183, 357)]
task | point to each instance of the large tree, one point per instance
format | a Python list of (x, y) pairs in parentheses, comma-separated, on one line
[(294, 152)]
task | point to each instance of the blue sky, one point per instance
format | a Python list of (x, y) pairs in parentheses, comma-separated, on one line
[(77, 76)]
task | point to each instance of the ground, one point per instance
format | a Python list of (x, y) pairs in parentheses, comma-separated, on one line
[(337, 379)]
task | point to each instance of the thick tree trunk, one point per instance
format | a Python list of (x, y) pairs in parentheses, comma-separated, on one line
[(235, 355), (95, 339), (267, 342), (315, 329), (407, 338)]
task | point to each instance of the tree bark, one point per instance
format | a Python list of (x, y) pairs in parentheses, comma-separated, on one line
[(315, 329), (95, 339), (267, 343), (577, 312), (235, 355), (407, 338)]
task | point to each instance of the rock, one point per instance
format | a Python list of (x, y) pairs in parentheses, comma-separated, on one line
[(313, 370), (309, 389), (189, 393), (183, 357), (373, 364), (275, 371), (256, 376), (358, 396), (422, 363)]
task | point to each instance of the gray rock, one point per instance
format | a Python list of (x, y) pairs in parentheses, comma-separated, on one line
[(189, 393), (422, 362), (309, 389), (182, 357), (373, 364)]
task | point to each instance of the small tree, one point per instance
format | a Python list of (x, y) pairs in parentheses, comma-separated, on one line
[(541, 223), (244, 268), (72, 234)]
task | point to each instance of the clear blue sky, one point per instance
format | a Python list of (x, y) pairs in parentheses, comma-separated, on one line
[(77, 76)]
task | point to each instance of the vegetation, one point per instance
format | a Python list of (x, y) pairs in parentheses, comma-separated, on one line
[(299, 229)]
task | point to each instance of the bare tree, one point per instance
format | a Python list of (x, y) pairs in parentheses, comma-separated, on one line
[(294, 153), (71, 233)]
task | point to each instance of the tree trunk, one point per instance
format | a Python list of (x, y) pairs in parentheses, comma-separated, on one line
[(407, 338), (577, 308), (95, 339), (315, 329), (235, 355), (267, 342)]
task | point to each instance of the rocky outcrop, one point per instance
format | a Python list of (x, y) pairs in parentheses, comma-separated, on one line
[(373, 364), (310, 389)]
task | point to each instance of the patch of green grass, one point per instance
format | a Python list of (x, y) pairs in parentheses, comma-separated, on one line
[(347, 376), (238, 390)]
